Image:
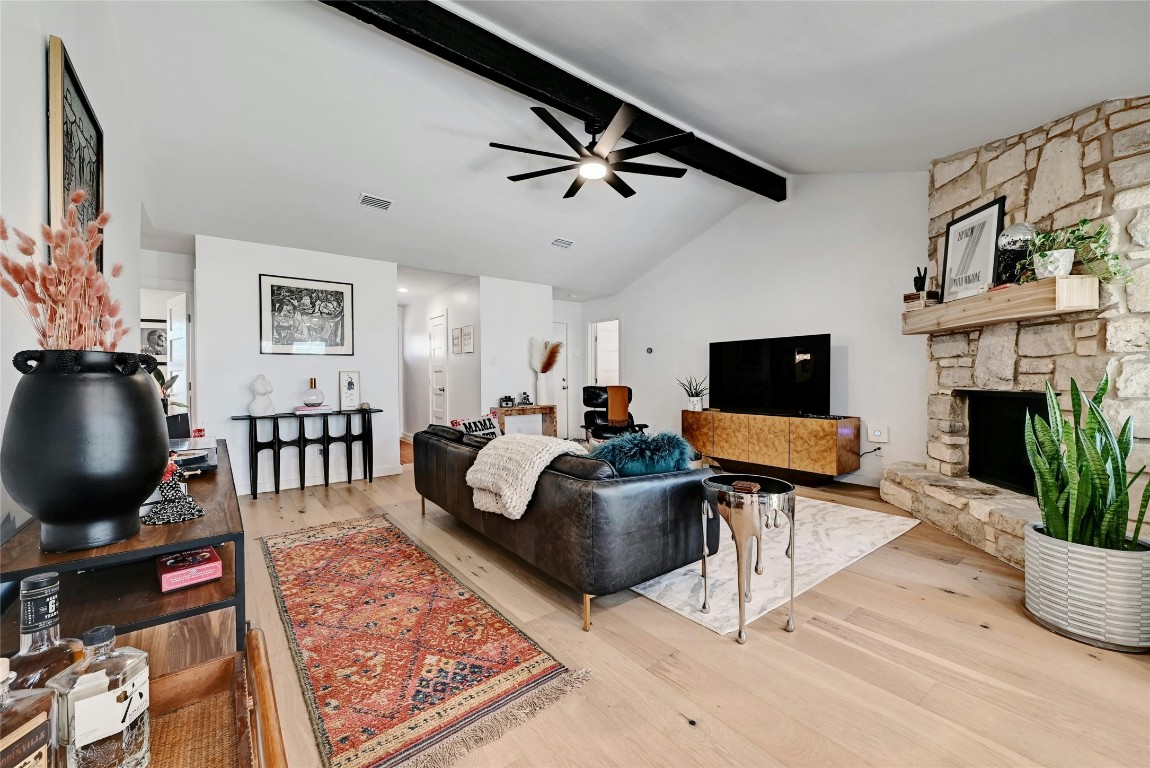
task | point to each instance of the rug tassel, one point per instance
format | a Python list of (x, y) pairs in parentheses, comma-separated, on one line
[(498, 723)]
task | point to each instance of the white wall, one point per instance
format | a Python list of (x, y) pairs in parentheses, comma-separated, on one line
[(154, 303), (571, 312), (511, 312), (835, 259), (461, 304), (228, 352), (167, 271), (90, 38)]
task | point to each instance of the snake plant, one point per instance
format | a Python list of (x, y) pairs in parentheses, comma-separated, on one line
[(1080, 472)]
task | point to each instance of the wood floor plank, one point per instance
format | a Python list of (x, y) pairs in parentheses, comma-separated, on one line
[(919, 654)]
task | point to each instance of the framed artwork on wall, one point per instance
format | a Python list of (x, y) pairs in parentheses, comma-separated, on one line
[(468, 340), (969, 262), (456, 341), (75, 144), (348, 390), (306, 317), (154, 339)]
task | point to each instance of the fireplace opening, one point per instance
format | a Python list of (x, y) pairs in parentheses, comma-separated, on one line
[(997, 448)]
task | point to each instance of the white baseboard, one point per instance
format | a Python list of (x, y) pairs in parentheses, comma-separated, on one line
[(406, 436)]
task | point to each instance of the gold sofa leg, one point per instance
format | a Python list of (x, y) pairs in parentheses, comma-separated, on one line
[(586, 612), (422, 506)]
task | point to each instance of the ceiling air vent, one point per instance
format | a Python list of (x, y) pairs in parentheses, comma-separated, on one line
[(561, 243), (371, 201)]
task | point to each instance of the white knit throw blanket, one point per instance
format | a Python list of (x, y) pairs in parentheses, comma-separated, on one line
[(505, 471)]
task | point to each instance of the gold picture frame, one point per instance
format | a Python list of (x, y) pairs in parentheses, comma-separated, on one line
[(75, 143)]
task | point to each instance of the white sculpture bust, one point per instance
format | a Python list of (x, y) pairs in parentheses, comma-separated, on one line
[(261, 404)]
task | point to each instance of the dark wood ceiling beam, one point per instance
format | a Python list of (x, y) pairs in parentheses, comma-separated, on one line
[(450, 37)]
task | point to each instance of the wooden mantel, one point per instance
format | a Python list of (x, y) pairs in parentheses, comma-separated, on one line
[(1052, 296)]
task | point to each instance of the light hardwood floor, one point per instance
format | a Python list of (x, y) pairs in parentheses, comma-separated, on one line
[(917, 655)]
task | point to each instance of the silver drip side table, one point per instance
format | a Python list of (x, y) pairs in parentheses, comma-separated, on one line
[(747, 513)]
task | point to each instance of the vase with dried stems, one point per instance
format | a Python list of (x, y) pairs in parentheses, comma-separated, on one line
[(85, 442), (542, 356)]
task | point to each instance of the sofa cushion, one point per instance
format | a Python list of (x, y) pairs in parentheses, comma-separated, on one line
[(476, 441), (583, 467), (642, 454), (447, 433)]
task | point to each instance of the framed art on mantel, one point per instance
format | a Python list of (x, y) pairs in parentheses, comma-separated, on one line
[(306, 317), (969, 261), (75, 144)]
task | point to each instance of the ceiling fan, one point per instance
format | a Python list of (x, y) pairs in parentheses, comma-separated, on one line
[(599, 159)]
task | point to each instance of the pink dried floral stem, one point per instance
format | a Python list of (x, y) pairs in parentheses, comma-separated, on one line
[(67, 303)]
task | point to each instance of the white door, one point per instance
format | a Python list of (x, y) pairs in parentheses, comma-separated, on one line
[(178, 353), (437, 359), (605, 349), (558, 383)]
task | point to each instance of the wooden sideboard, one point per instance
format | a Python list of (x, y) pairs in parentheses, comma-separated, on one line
[(805, 444)]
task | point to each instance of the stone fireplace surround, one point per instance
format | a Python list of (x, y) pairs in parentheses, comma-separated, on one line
[(1093, 164)]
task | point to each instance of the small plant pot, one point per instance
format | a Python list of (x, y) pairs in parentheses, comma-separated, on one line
[(1053, 263), (1089, 594), (694, 403)]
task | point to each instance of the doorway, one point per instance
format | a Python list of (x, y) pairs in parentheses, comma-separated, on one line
[(558, 385), (605, 352), (166, 334), (437, 360)]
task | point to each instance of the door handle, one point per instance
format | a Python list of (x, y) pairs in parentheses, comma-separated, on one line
[(564, 387), (441, 389)]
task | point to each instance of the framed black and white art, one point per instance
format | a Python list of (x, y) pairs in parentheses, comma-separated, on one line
[(969, 259), (306, 317), (75, 144), (348, 390), (154, 339)]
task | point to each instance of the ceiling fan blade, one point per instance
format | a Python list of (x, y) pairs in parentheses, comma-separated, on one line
[(563, 133), (541, 153), (620, 186), (653, 170), (535, 174), (615, 130), (648, 147), (575, 186)]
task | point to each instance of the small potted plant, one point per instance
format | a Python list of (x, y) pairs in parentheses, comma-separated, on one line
[(695, 389), (1084, 574), (1053, 253), (165, 386)]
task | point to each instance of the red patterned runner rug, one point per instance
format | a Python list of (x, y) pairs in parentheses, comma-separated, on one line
[(399, 662)]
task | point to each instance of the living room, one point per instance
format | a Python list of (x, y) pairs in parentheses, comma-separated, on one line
[(404, 408)]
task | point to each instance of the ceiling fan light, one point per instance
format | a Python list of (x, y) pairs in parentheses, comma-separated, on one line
[(593, 169)]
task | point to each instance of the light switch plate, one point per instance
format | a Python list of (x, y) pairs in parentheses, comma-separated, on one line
[(878, 433)]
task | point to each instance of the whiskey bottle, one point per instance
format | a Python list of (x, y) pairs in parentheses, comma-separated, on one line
[(27, 725), (43, 653), (103, 712)]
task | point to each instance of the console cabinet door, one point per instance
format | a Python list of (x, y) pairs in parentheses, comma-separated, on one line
[(698, 431), (814, 446), (731, 432), (768, 441)]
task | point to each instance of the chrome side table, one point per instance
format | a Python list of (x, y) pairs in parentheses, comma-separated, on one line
[(746, 515)]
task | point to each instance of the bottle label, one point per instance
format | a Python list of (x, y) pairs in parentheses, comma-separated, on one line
[(40, 609), (109, 713), (27, 746)]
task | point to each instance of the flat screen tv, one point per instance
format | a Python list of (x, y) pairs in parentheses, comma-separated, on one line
[(787, 376)]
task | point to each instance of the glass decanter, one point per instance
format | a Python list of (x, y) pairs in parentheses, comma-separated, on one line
[(43, 653), (103, 720)]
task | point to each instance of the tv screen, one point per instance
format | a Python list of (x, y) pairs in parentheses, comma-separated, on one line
[(790, 375)]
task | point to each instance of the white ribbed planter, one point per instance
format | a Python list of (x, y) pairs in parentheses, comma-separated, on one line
[(1097, 596)]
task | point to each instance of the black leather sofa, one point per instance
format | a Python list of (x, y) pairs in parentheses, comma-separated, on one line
[(585, 526)]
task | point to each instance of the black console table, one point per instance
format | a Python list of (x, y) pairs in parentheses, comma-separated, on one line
[(301, 441)]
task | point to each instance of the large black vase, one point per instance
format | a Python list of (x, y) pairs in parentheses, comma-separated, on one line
[(85, 444)]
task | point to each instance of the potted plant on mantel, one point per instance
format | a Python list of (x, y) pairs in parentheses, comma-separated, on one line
[(85, 442), (1051, 254), (1084, 574), (695, 389)]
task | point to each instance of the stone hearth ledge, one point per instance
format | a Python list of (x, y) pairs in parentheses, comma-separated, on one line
[(983, 515)]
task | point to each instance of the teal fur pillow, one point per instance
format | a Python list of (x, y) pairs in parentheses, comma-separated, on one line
[(641, 454)]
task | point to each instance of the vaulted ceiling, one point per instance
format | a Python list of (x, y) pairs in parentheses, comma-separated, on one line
[(265, 121)]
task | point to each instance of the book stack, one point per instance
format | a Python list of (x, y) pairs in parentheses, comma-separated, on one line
[(311, 410), (919, 299)]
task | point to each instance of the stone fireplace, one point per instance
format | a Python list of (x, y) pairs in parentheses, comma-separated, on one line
[(1094, 164)]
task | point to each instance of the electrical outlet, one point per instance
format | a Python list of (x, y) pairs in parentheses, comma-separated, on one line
[(878, 433)]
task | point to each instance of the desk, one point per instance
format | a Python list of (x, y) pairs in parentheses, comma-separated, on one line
[(301, 441)]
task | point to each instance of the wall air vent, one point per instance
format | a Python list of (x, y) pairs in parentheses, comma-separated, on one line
[(561, 243), (372, 201)]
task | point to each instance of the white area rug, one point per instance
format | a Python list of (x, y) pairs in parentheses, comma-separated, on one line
[(828, 538)]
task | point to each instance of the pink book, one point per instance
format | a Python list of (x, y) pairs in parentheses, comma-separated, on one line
[(184, 569)]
